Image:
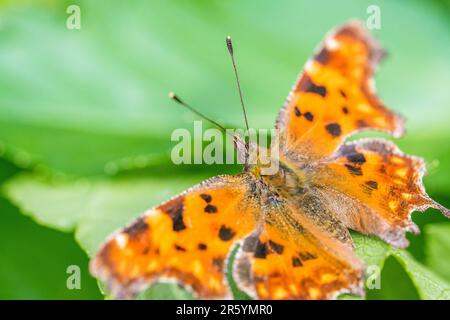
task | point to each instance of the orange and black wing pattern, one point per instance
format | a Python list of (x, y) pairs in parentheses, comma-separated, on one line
[(186, 240), (290, 258), (373, 188), (335, 96)]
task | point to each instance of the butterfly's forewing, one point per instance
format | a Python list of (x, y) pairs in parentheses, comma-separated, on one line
[(186, 239), (290, 258), (335, 97), (373, 187)]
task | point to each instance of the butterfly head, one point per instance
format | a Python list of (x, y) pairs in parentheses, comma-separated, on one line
[(258, 160)]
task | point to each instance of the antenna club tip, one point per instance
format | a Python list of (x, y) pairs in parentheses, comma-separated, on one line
[(229, 45), (173, 96)]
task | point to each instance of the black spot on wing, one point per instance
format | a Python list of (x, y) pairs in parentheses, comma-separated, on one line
[(174, 208), (180, 248), (136, 228), (260, 250), (349, 151), (210, 209), (276, 247), (206, 197), (343, 94), (369, 186), (333, 129), (296, 262), (323, 56), (372, 184), (356, 158), (225, 233), (354, 170), (306, 85), (202, 247), (178, 223), (309, 116), (305, 256), (320, 90), (302, 257), (345, 110)]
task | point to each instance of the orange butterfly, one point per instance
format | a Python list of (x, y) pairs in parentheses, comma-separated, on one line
[(291, 227)]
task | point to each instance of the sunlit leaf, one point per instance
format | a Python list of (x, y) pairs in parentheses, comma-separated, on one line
[(438, 248)]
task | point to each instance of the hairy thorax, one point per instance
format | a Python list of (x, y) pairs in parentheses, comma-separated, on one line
[(292, 186)]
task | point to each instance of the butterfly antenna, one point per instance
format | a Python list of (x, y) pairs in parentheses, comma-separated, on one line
[(174, 97), (230, 50)]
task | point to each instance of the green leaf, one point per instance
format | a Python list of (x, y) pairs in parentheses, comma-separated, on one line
[(438, 248), (7, 170), (429, 285), (394, 283), (375, 252), (165, 291), (34, 260), (371, 250), (62, 211)]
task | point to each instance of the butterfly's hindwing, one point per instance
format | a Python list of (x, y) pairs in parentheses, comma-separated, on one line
[(289, 258)]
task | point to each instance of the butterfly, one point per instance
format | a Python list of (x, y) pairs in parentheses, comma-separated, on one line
[(291, 228)]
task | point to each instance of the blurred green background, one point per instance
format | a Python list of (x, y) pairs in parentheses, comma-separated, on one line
[(85, 122)]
